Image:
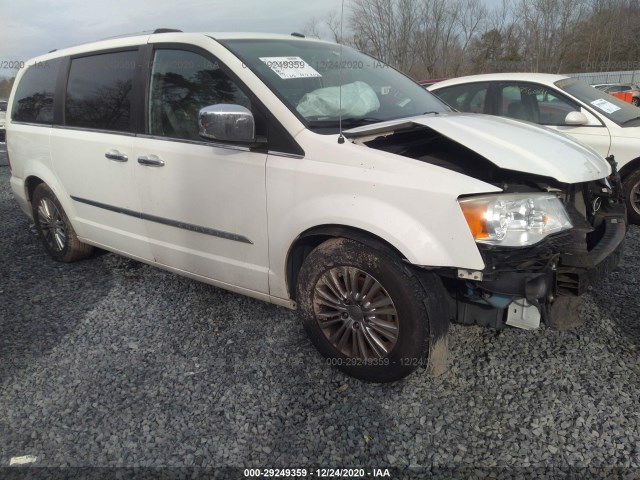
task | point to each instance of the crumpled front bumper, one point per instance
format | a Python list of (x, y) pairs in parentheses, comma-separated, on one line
[(524, 282), (577, 272)]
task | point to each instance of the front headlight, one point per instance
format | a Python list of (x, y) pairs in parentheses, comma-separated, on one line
[(514, 220)]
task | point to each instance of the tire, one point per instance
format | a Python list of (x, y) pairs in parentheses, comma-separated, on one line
[(631, 185), (54, 228), (405, 308), (636, 101)]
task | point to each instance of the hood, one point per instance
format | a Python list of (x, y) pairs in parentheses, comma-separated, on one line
[(509, 144)]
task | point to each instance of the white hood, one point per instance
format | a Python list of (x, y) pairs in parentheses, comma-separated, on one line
[(509, 144)]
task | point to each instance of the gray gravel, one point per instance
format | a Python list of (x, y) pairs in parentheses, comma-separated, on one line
[(3, 154), (109, 362)]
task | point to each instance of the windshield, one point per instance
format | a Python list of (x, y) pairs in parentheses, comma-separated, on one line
[(611, 107), (307, 76)]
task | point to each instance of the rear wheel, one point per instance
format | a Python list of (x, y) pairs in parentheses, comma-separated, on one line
[(367, 312), (631, 185), (54, 229)]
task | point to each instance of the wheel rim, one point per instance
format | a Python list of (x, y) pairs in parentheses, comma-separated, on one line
[(355, 313), (634, 197), (52, 225)]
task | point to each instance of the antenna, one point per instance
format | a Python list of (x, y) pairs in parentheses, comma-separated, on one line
[(340, 137)]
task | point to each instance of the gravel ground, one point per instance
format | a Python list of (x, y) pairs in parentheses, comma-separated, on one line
[(3, 154), (112, 363)]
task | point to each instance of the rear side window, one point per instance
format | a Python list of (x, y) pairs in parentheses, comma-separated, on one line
[(99, 91), (465, 98), (33, 100)]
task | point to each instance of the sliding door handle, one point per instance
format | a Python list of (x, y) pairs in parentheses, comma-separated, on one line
[(116, 156)]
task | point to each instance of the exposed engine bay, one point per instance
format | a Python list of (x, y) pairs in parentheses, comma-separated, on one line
[(521, 285)]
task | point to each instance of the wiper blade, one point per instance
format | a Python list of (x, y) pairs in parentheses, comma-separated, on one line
[(346, 122)]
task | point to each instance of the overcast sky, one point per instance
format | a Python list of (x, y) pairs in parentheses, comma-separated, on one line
[(33, 27)]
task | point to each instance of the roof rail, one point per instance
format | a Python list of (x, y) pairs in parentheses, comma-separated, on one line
[(146, 32), (167, 30), (126, 35)]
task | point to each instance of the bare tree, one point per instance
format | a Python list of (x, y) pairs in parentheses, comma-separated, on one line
[(470, 20), (442, 38), (549, 27), (327, 27), (386, 29)]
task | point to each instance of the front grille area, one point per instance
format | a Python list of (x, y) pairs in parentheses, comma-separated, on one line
[(579, 256), (533, 259)]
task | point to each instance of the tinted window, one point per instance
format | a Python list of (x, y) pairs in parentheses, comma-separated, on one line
[(534, 103), (3, 106), (181, 84), (99, 91), (466, 98), (552, 108), (33, 100)]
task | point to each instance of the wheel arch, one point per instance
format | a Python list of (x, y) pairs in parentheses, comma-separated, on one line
[(30, 184), (630, 167), (314, 236)]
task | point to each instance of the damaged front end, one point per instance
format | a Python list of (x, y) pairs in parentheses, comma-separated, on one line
[(520, 286), (573, 203)]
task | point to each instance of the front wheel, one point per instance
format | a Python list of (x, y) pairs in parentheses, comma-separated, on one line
[(636, 101), (367, 312), (631, 185), (54, 228)]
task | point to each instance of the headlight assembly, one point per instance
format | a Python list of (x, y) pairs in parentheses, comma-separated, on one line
[(514, 220)]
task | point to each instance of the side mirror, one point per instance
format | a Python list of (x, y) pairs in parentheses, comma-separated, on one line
[(576, 118), (227, 123)]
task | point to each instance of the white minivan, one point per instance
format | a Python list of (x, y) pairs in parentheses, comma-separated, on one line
[(312, 176)]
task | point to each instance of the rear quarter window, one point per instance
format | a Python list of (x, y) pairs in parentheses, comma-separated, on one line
[(34, 97)]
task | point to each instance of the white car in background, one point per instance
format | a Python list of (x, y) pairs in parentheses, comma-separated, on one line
[(568, 105)]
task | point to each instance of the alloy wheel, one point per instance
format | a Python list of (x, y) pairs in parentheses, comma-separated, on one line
[(52, 225), (355, 313)]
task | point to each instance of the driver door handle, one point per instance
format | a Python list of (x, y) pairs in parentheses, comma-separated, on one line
[(150, 161)]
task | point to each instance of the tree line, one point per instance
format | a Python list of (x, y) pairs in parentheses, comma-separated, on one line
[(5, 87), (448, 38)]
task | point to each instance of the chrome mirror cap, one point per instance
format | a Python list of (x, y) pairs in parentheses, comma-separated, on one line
[(227, 122)]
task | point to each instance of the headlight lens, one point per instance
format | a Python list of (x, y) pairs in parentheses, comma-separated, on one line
[(514, 220)]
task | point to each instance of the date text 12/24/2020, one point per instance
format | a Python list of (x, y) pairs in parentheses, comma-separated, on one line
[(316, 472)]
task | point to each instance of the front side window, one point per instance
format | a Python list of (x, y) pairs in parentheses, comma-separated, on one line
[(534, 103), (99, 91), (33, 100), (182, 83)]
